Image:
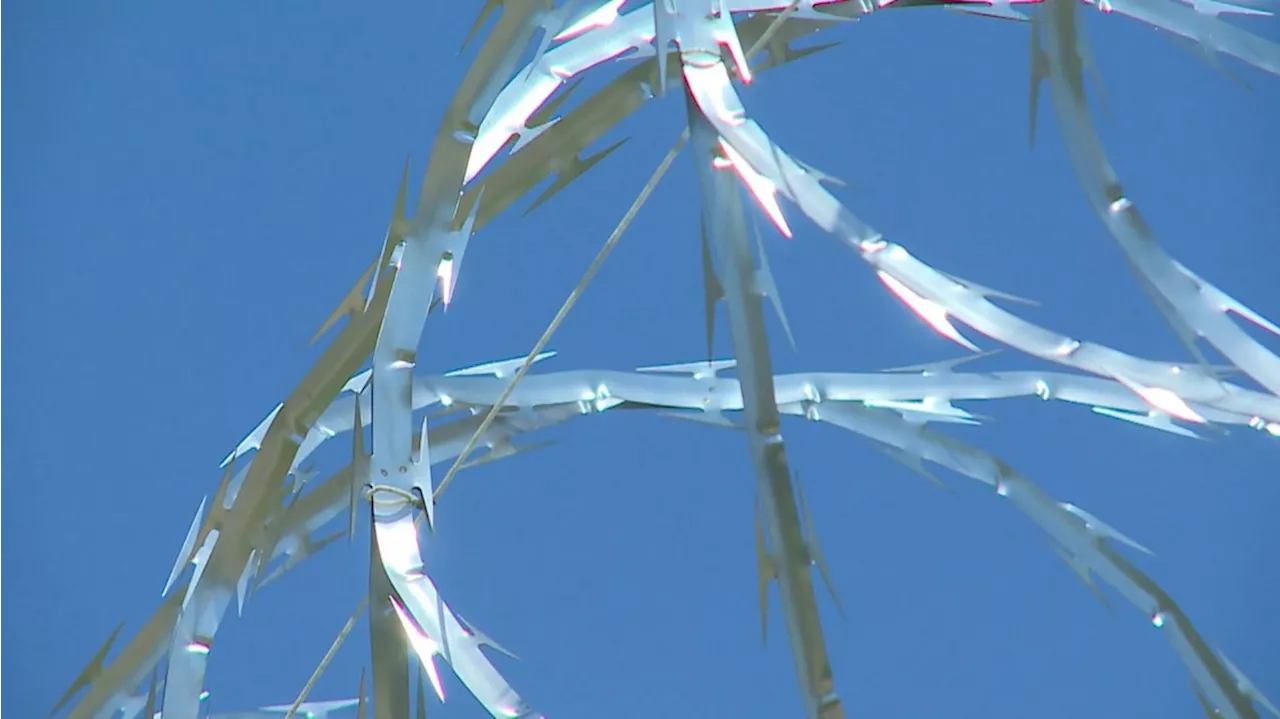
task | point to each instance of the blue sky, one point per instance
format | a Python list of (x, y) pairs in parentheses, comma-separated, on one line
[(193, 187)]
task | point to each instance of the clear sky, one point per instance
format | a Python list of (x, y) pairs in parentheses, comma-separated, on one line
[(194, 186)]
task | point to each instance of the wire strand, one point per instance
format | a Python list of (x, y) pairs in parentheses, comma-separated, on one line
[(590, 274), (328, 657), (563, 312)]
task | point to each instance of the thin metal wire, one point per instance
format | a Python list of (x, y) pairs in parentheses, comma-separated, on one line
[(569, 302), (328, 657), (590, 274)]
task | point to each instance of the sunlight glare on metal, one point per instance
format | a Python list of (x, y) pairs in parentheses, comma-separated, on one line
[(1119, 205), (1170, 403), (871, 247), (934, 314), (444, 273), (425, 647), (1262, 425), (603, 16), (761, 187)]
